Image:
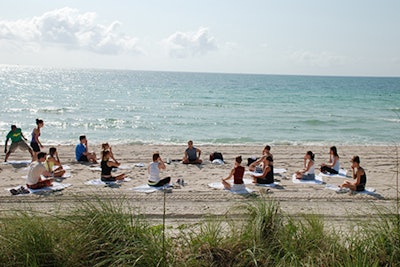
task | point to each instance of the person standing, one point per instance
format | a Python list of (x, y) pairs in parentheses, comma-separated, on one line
[(17, 141), (35, 142)]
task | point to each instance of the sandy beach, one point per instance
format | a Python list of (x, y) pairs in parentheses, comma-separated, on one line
[(196, 199)]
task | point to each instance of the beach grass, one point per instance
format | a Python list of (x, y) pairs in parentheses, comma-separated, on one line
[(109, 233)]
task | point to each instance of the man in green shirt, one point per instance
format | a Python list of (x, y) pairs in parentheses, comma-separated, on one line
[(17, 140)]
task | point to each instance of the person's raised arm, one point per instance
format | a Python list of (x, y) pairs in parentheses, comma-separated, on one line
[(161, 164)]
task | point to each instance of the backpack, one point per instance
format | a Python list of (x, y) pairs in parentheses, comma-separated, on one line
[(216, 155)]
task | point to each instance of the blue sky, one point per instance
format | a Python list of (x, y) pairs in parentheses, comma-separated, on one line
[(311, 37)]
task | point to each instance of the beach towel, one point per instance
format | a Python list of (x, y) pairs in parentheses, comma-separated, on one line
[(145, 188), (55, 187), (274, 184), (368, 191), (100, 182), (342, 174), (235, 188), (318, 180), (17, 162)]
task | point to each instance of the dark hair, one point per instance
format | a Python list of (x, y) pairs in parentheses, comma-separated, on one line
[(267, 147), (269, 158), (311, 154), (238, 159), (334, 150), (156, 156), (41, 155), (52, 150), (356, 159), (13, 127), (39, 121), (82, 137)]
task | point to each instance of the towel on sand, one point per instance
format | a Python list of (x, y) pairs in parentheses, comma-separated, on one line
[(55, 187), (318, 180), (145, 188), (235, 188), (100, 182), (368, 191)]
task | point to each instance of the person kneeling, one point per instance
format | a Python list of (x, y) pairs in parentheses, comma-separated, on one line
[(36, 170), (106, 167)]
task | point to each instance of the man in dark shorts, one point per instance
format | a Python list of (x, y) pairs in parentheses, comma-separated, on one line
[(17, 141), (81, 151)]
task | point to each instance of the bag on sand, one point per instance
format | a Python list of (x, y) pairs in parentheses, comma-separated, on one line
[(251, 160), (216, 155)]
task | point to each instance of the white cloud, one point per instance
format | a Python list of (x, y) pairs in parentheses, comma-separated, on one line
[(323, 59), (186, 44), (70, 29)]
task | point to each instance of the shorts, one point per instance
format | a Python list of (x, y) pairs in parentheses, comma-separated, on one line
[(83, 158), (108, 179), (35, 147), (41, 184), (21, 144)]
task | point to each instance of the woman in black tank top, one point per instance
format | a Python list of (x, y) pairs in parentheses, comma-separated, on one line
[(358, 175)]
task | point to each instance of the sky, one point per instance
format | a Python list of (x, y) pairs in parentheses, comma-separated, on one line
[(309, 37)]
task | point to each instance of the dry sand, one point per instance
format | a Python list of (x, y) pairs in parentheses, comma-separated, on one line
[(196, 200)]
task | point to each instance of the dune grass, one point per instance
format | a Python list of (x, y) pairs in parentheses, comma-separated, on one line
[(108, 233)]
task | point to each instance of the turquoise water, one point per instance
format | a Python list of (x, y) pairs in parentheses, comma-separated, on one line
[(170, 108)]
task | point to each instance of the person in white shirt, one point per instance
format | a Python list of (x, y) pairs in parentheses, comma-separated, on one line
[(36, 170)]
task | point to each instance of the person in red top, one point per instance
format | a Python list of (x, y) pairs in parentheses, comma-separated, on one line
[(237, 172)]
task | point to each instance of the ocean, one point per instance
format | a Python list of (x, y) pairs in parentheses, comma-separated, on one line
[(145, 107)]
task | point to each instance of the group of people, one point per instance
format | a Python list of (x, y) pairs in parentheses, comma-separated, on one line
[(18, 140), (263, 170), (49, 165)]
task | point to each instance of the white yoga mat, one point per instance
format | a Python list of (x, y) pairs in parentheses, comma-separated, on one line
[(122, 167), (55, 187), (342, 174), (268, 185), (100, 182), (318, 180), (145, 188), (368, 191), (236, 189), (16, 162)]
